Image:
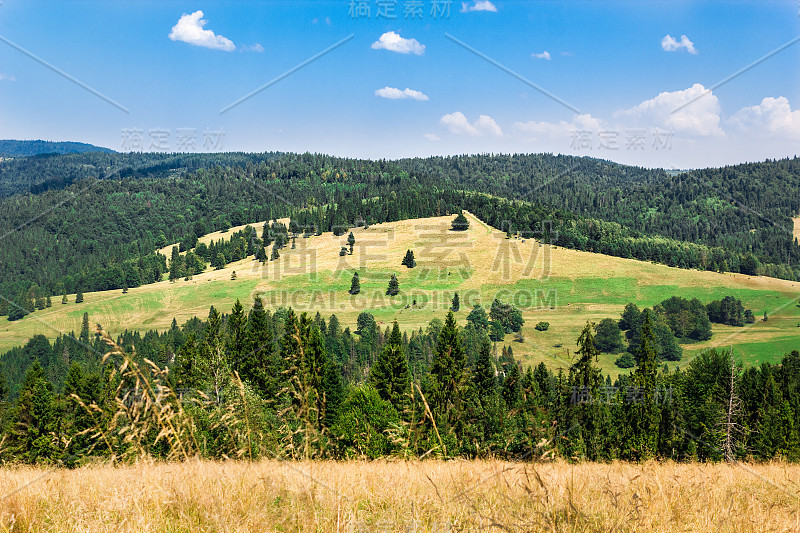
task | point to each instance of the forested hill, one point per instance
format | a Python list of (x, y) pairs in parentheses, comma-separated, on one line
[(10, 147), (92, 221), (43, 172)]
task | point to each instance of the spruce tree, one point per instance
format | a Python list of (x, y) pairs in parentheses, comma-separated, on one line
[(643, 414), (456, 304), (79, 297), (355, 284), (512, 386), (390, 375), (343, 251), (64, 299), (32, 437), (49, 302), (408, 260), (484, 378), (460, 223), (259, 365), (394, 286), (275, 253), (235, 342), (447, 369)]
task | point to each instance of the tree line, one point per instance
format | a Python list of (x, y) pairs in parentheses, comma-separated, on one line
[(255, 383)]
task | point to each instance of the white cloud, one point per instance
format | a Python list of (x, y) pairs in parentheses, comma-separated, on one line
[(189, 29), (457, 123), (252, 48), (478, 5), (550, 129), (700, 117), (7, 77), (669, 44), (396, 94), (394, 43), (773, 116), (432, 137), (543, 55)]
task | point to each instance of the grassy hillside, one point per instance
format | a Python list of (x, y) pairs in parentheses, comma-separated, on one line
[(561, 286)]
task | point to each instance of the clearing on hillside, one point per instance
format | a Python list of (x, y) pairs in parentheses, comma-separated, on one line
[(561, 286)]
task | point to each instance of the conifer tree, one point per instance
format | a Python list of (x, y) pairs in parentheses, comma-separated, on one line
[(408, 260), (275, 253), (390, 375), (64, 299), (644, 415), (79, 297), (394, 286), (355, 284), (447, 371), (456, 304), (460, 223), (484, 378), (259, 365), (32, 436), (236, 337)]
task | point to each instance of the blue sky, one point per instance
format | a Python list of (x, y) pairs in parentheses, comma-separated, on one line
[(406, 87)]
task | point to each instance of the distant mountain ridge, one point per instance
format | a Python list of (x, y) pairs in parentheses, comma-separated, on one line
[(27, 148)]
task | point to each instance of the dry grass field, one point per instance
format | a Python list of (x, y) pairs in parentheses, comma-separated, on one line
[(560, 286), (431, 495)]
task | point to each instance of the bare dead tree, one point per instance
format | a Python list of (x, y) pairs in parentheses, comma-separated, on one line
[(733, 430)]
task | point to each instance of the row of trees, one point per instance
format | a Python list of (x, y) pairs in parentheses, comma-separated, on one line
[(252, 383)]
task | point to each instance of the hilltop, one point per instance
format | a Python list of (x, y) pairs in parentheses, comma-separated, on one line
[(27, 148)]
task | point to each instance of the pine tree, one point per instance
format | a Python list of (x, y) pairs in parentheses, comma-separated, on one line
[(49, 302), (355, 284), (343, 251), (408, 260), (64, 299), (275, 253), (394, 286), (456, 304), (79, 297), (390, 375)]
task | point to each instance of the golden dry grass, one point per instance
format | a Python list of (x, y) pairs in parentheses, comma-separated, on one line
[(402, 496)]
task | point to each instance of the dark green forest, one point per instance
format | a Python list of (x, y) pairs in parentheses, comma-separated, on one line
[(11, 148), (256, 383), (91, 221)]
